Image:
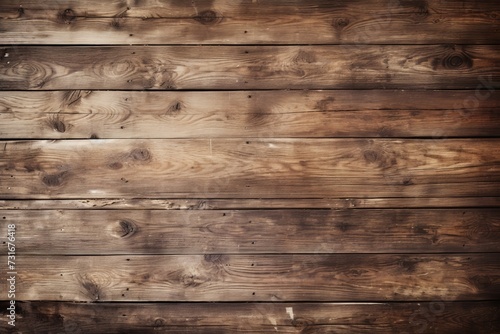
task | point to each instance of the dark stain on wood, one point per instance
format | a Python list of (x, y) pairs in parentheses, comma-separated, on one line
[(55, 180), (371, 156), (325, 104), (208, 17), (343, 226), (92, 290), (116, 23), (408, 265), (115, 165)]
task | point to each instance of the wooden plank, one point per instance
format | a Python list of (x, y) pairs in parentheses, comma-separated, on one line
[(100, 232), (278, 114), (241, 204), (425, 317), (216, 277), (245, 22), (260, 168), (250, 67)]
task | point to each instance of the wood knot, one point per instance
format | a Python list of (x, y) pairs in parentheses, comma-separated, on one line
[(127, 228), (159, 323), (208, 17), (340, 22), (304, 57), (422, 9), (191, 280), (115, 165), (92, 290), (300, 322), (115, 23), (457, 61), (408, 265), (140, 154), (55, 180), (482, 282), (371, 156), (343, 226), (57, 124), (67, 16), (407, 181), (214, 258), (174, 109)]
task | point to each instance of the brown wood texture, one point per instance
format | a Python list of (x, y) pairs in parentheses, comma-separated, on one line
[(428, 317), (249, 22), (250, 67), (250, 203), (220, 166), (247, 114), (271, 168), (258, 277), (274, 231)]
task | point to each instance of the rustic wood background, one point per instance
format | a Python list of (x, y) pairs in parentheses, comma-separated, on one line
[(213, 166)]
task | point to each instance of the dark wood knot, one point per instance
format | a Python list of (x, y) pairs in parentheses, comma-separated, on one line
[(67, 16), (140, 154), (54, 180), (340, 22), (208, 17), (59, 126), (127, 228), (371, 156), (457, 61)]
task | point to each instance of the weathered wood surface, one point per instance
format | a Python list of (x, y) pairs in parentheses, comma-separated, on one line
[(424, 317), (265, 114), (249, 22), (250, 67), (249, 203), (293, 277), (98, 232), (260, 168)]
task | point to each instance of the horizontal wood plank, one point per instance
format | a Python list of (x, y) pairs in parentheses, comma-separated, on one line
[(248, 203), (260, 168), (100, 232), (249, 22), (425, 317), (218, 277), (265, 114), (250, 67)]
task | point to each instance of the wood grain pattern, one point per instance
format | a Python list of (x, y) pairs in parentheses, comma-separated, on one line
[(249, 22), (260, 168), (250, 67), (217, 277), (109, 318), (249, 203), (98, 232), (265, 114)]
